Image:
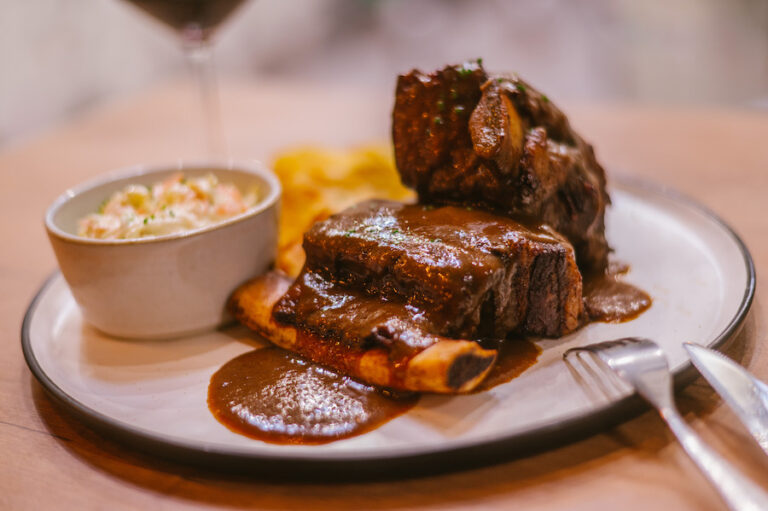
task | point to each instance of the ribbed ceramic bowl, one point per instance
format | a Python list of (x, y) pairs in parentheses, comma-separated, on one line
[(170, 285)]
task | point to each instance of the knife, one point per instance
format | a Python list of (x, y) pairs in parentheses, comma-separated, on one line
[(746, 395)]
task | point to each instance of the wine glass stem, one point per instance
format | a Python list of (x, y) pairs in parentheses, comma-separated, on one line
[(200, 56)]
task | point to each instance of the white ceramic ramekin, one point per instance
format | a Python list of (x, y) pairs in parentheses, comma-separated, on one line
[(170, 285)]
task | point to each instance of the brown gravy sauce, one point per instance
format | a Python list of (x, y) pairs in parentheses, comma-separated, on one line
[(278, 397), (515, 356), (607, 298)]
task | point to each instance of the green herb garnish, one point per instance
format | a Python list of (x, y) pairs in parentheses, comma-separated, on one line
[(438, 120), (458, 109), (146, 220), (544, 98), (520, 87), (464, 71), (440, 105)]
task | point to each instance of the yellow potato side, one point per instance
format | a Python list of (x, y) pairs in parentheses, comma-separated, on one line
[(319, 182)]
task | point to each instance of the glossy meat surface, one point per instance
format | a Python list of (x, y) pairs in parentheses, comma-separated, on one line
[(455, 272), (465, 137), (353, 318)]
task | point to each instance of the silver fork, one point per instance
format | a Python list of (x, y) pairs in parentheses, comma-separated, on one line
[(643, 365)]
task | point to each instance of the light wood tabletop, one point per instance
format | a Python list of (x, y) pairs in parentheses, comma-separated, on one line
[(52, 461)]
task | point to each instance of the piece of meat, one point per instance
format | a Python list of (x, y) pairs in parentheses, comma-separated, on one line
[(406, 360), (350, 317), (464, 273), (465, 137)]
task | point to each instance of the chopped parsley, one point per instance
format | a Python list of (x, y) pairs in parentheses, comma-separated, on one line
[(469, 67), (520, 87), (464, 71), (544, 98), (458, 109), (146, 220), (438, 120)]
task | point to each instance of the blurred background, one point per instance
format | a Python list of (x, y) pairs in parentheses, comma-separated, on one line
[(61, 58)]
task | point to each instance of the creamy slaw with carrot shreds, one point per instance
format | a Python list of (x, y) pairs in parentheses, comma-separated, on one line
[(174, 205)]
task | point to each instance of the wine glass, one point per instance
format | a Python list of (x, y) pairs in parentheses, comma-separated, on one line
[(195, 21)]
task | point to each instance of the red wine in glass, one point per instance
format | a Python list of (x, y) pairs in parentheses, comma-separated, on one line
[(203, 16), (196, 21)]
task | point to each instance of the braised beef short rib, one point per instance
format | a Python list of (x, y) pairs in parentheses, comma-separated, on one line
[(510, 212), (456, 271), (463, 136)]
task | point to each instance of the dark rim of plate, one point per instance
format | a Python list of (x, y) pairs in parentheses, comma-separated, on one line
[(395, 463)]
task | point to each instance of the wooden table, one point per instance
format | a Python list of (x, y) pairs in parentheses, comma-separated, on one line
[(51, 461)]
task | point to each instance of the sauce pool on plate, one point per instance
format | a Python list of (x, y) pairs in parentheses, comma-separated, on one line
[(276, 396), (515, 356), (608, 299)]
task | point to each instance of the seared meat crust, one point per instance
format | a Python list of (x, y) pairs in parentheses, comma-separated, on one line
[(464, 273), (465, 137)]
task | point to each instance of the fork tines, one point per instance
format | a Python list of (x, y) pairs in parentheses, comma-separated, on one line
[(595, 376)]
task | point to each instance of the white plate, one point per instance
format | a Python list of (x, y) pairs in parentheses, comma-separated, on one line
[(153, 393)]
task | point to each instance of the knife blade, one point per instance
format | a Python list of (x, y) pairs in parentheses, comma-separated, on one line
[(746, 395)]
